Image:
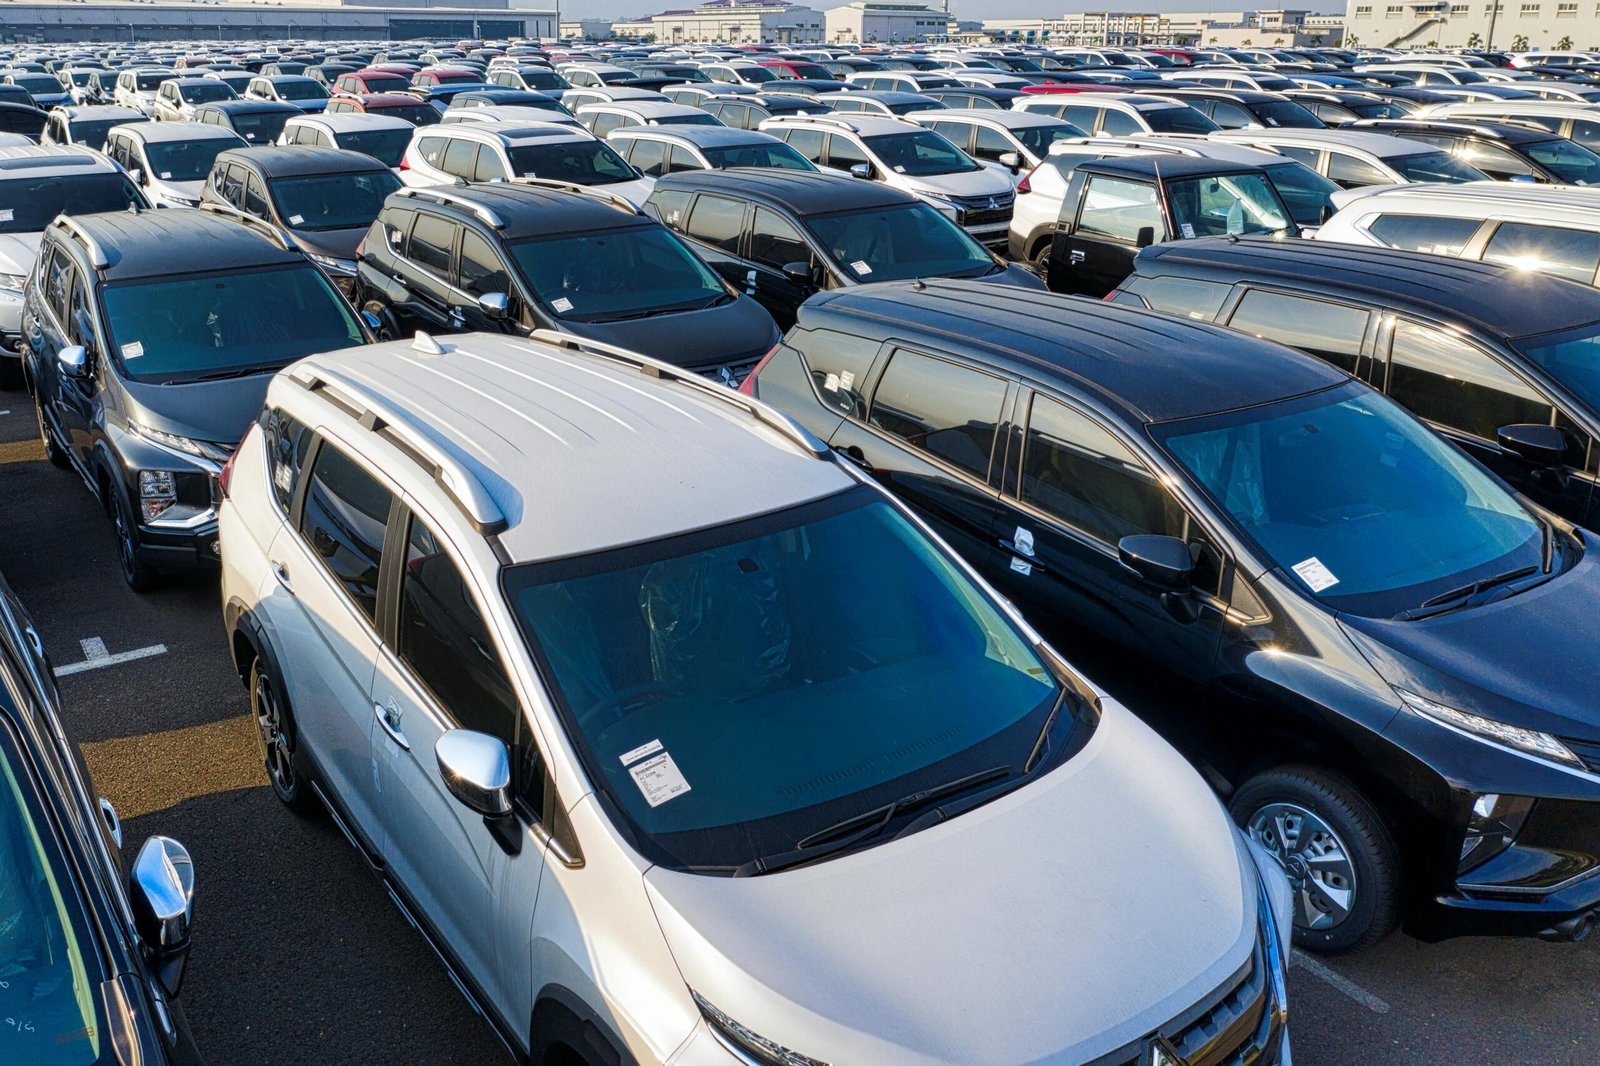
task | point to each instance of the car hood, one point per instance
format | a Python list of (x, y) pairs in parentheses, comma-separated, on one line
[(1055, 924), (186, 190), (215, 411), (981, 182), (730, 333), (18, 251), (338, 243), (1527, 660)]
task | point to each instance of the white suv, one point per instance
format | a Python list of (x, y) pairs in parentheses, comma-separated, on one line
[(493, 151), (744, 767)]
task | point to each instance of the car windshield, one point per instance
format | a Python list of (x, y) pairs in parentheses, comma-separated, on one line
[(152, 81), (580, 162), (1571, 356), (777, 155), (617, 274), (206, 92), (50, 969), (31, 202), (386, 146), (1379, 109), (895, 243), (920, 154), (301, 90), (1307, 193), (544, 80), (175, 330), (186, 160), (1369, 509), (260, 127), (754, 75), (1038, 139), (332, 201), (1176, 120), (384, 83), (1286, 114), (42, 84), (1226, 205), (416, 114), (728, 704), (1434, 166), (1569, 161), (91, 133), (464, 78)]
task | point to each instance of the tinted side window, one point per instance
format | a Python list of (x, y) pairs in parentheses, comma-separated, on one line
[(255, 199), (58, 281), (717, 221), (1309, 156), (1119, 210), (1081, 474), (947, 410), (807, 142), (458, 156), (1200, 300), (446, 643), (345, 516), (1332, 331), (1349, 171), (670, 207), (431, 149), (1081, 116), (774, 242), (287, 442), (604, 123), (1425, 233), (682, 159), (649, 157), (838, 363), (991, 144), (1119, 124), (1568, 253), (1227, 115), (487, 166), (232, 186), (1448, 381), (844, 153), (431, 240), (481, 268)]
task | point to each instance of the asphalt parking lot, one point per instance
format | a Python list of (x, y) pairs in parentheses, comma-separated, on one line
[(300, 956)]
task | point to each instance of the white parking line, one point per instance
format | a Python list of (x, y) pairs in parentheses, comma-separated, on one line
[(1338, 981), (99, 662), (94, 648)]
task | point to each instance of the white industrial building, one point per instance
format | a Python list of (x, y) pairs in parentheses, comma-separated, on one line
[(884, 22), (1518, 25), (731, 22), (1278, 26)]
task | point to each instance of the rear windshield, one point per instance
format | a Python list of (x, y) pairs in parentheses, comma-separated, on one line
[(580, 162), (332, 201), (1177, 120), (31, 202), (384, 83), (301, 90), (416, 114), (92, 133), (386, 146), (187, 160), (206, 92), (1435, 166), (262, 127)]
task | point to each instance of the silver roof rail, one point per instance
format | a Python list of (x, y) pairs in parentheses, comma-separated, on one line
[(265, 228), (831, 120), (451, 475), (656, 368), (583, 190), (442, 195), (97, 253)]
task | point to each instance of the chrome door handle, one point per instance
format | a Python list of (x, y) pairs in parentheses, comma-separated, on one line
[(281, 574), (1076, 256), (389, 718)]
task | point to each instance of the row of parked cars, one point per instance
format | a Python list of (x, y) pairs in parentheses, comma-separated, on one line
[(573, 639)]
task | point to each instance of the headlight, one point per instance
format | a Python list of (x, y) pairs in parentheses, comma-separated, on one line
[(157, 493), (187, 445), (748, 1043), (328, 262), (1527, 741), (948, 208), (13, 282)]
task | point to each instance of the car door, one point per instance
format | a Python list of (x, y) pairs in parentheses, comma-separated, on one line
[(1100, 232), (717, 225), (330, 571), (480, 271), (1073, 488), (440, 670), (73, 402), (929, 436), (775, 243), (254, 201), (424, 269), (1467, 393)]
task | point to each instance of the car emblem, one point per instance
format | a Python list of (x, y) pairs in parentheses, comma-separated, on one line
[(993, 203), (1160, 1052)]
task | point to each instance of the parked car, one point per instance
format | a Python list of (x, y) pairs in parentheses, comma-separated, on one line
[(307, 94), (1119, 114), (177, 98), (549, 255), (1496, 357), (1341, 107), (46, 89), (538, 79), (368, 81), (1353, 158), (880, 103), (382, 137), (1235, 109), (508, 115), (169, 161), (601, 119), (74, 918), (257, 121), (393, 105), (974, 96), (1504, 151), (136, 87), (508, 98), (1010, 141), (149, 363), (37, 184), (1384, 643), (23, 119), (657, 150), (87, 126), (784, 236), (675, 750), (747, 111), (481, 152)]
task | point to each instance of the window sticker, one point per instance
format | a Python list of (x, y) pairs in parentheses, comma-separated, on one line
[(1316, 576), (562, 305), (659, 779), (132, 350), (860, 266), (6, 214), (1187, 230), (630, 757), (295, 220)]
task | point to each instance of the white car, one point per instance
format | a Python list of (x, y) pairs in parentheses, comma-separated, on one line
[(137, 87), (170, 160), (711, 770), (177, 98), (489, 151)]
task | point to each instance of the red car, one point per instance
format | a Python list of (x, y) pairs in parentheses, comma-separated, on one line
[(798, 69), (439, 76), (395, 105), (370, 80)]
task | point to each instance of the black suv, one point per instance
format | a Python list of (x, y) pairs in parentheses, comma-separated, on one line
[(527, 254), (326, 198), (257, 121), (1506, 151), (1237, 109), (1503, 361), (1381, 655), (783, 235), (81, 970), (151, 338)]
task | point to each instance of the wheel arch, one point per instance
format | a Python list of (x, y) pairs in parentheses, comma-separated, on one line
[(562, 1019)]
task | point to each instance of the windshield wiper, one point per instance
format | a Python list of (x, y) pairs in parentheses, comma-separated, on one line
[(230, 372), (1464, 596), (857, 828)]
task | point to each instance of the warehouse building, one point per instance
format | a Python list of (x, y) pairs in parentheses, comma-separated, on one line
[(731, 22), (1518, 25), (885, 22)]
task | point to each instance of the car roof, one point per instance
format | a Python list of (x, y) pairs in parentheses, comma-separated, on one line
[(994, 115), (1496, 297), (57, 159), (592, 451), (1160, 165), (642, 108), (700, 136), (1509, 132), (1216, 92), (1379, 144), (250, 107), (1151, 367), (76, 112), (518, 209), (803, 192), (300, 160), (863, 123), (163, 132), (155, 243), (351, 121)]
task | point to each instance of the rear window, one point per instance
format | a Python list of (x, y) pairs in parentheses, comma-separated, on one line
[(1434, 234)]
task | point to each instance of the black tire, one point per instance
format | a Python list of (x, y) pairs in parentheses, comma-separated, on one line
[(140, 575), (52, 451), (11, 378), (388, 327), (1041, 263), (1296, 812), (280, 755)]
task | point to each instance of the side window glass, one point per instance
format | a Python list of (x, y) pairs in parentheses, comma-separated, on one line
[(481, 269), (838, 363), (1567, 253), (807, 142), (1082, 117), (255, 198), (80, 325), (1120, 124), (1309, 156), (648, 157), (991, 144), (345, 516), (458, 156), (287, 443), (775, 243), (232, 188), (431, 240), (1332, 331), (444, 640), (604, 123), (58, 282), (717, 221), (1425, 233), (1350, 172), (1231, 116), (843, 153), (944, 409), (1448, 381), (682, 159), (1119, 210), (1084, 476), (431, 149), (670, 207), (488, 166), (1199, 300)]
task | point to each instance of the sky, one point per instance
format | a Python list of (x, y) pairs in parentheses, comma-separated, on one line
[(966, 9)]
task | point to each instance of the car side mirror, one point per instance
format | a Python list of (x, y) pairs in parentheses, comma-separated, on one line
[(799, 273), (1325, 214), (861, 170), (1525, 178), (161, 893), (1145, 237), (494, 305), (1012, 161), (1540, 445), (73, 360), (1164, 562), (136, 176), (476, 768)]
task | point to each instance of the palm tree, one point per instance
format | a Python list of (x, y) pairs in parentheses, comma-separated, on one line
[(1564, 44), (1431, 44), (1474, 39), (1519, 43)]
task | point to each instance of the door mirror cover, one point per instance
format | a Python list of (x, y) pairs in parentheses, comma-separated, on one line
[(1011, 161), (861, 170), (161, 893), (136, 176), (1145, 237), (799, 273), (1541, 445), (476, 768), (494, 305), (1164, 562), (74, 360)]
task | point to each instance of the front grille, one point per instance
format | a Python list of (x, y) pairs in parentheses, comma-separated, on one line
[(1232, 1028), (986, 210), (1587, 750)]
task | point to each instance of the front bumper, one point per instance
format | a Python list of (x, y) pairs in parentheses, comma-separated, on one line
[(181, 549)]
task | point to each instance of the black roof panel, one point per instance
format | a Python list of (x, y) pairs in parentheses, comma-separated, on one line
[(801, 191), (300, 160), (155, 243)]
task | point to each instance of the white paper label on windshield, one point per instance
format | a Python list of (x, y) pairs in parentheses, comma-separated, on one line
[(846, 379), (1187, 230), (1315, 575), (164, 175), (659, 779), (1023, 541), (6, 214), (563, 305), (529, 174), (860, 266), (295, 220), (630, 757), (831, 383), (133, 350), (899, 169)]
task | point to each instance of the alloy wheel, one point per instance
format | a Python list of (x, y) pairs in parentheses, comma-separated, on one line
[(269, 720), (1318, 863)]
